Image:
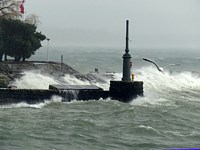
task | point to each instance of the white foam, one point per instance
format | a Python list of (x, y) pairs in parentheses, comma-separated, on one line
[(54, 99), (71, 80), (158, 87), (156, 80), (161, 88), (33, 80), (23, 105)]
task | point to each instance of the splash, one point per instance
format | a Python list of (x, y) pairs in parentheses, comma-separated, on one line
[(54, 99), (165, 87), (33, 80), (71, 80), (153, 80), (159, 87), (157, 81), (36, 80)]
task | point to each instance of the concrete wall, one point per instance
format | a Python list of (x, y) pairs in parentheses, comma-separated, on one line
[(119, 90), (32, 96), (8, 96), (125, 91)]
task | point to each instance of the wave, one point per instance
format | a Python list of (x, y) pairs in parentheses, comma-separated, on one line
[(164, 87), (148, 128), (192, 134), (153, 80), (34, 79), (54, 99), (156, 80), (158, 87)]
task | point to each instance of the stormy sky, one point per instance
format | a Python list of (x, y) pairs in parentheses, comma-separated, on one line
[(161, 24)]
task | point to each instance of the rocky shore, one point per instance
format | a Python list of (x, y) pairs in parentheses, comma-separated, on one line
[(11, 70)]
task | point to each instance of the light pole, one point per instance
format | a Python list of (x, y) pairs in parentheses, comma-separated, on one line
[(47, 49), (126, 58), (126, 90), (61, 64)]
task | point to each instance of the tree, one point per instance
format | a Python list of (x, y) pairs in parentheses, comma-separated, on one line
[(10, 9), (20, 39), (1, 41)]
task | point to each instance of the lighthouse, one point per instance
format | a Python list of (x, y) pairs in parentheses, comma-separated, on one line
[(126, 89)]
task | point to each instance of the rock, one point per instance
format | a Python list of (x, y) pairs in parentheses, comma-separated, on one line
[(11, 70)]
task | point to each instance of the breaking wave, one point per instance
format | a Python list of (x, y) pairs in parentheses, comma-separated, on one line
[(37, 80), (54, 99), (158, 87), (161, 87), (33, 80)]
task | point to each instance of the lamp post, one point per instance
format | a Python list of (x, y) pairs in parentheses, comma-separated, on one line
[(47, 49), (61, 64), (126, 90), (126, 58)]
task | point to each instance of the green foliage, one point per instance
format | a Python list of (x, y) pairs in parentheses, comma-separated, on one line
[(19, 39), (1, 41)]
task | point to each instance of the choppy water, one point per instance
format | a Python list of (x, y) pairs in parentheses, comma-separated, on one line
[(167, 116)]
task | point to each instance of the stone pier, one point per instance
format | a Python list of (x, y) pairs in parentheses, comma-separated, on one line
[(125, 91)]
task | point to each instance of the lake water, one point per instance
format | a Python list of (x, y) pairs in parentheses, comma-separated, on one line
[(168, 115)]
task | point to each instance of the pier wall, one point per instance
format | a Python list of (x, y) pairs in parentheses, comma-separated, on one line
[(119, 90), (30, 96), (33, 96), (125, 91)]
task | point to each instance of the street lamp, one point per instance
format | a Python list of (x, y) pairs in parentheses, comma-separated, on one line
[(47, 49), (126, 57)]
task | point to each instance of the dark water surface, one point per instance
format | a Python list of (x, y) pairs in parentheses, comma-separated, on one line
[(167, 116), (100, 125)]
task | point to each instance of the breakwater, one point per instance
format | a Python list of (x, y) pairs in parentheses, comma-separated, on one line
[(122, 91), (30, 96)]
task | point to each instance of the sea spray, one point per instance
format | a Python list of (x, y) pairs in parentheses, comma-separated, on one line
[(54, 99), (156, 80), (33, 80), (158, 87), (36, 80), (72, 80)]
